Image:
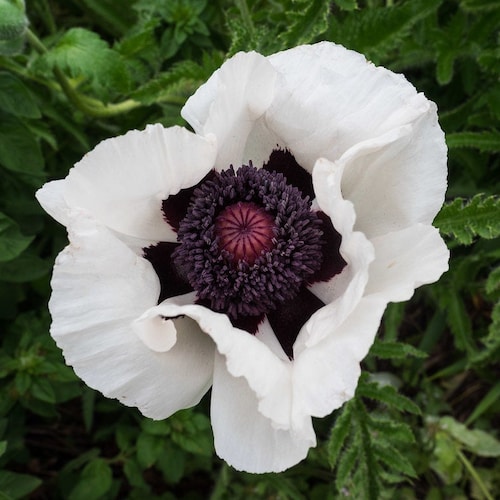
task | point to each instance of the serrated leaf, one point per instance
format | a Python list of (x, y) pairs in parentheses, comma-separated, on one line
[(395, 350), (375, 31), (466, 219), (397, 431), (393, 458), (12, 241), (486, 141), (387, 395), (306, 21), (345, 466), (338, 435), (82, 53)]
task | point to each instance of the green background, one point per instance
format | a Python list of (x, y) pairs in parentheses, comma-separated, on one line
[(424, 421)]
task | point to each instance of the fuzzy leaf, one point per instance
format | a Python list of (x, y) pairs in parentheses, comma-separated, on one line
[(465, 219), (395, 350), (397, 431), (387, 395), (374, 31), (392, 457), (307, 21), (340, 431), (487, 141)]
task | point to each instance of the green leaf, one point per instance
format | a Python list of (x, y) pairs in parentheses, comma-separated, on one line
[(3, 447), (95, 480), (41, 389), (477, 441), (397, 431), (19, 150), (26, 267), (306, 21), (17, 485), (486, 141), (13, 21), (493, 281), (376, 31), (12, 242), (15, 98), (466, 219), (489, 400), (82, 53), (395, 350), (392, 457), (347, 4), (338, 435), (445, 459), (387, 395), (149, 448)]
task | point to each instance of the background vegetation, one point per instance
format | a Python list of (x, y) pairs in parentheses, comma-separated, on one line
[(424, 423)]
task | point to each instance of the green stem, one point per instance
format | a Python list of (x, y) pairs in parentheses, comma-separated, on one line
[(88, 105), (474, 475)]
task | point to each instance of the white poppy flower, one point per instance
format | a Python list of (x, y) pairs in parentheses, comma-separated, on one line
[(255, 256)]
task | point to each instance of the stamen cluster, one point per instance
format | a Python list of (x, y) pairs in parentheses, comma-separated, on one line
[(248, 242)]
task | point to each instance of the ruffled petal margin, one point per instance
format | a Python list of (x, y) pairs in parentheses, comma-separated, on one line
[(243, 436), (123, 180), (100, 287)]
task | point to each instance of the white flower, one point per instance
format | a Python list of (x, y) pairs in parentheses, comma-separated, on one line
[(245, 285)]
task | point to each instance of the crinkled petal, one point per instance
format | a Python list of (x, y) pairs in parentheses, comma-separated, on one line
[(326, 374), (342, 293), (123, 181), (246, 356), (405, 260), (331, 98), (245, 438), (99, 288), (230, 103), (398, 179)]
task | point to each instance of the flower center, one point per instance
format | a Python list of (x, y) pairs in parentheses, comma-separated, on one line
[(249, 241), (245, 230)]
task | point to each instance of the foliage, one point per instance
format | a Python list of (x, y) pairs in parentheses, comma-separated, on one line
[(422, 422)]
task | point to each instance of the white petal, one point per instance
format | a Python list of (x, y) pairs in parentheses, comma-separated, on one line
[(123, 181), (343, 292), (99, 288), (406, 260), (326, 374), (398, 179), (267, 374), (230, 103), (330, 98), (243, 437), (158, 334), (51, 198)]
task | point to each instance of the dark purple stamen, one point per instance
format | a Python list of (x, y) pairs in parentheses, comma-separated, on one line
[(250, 246), (248, 242)]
